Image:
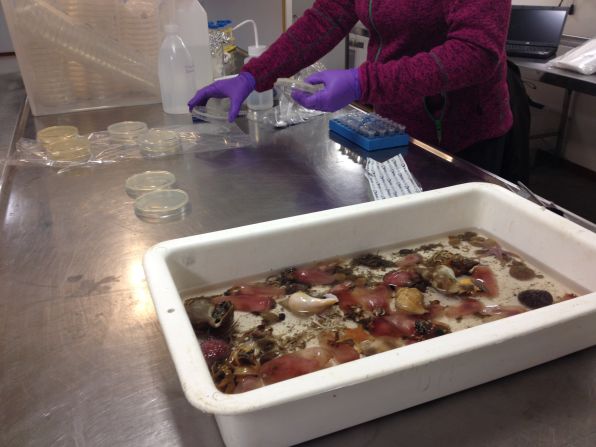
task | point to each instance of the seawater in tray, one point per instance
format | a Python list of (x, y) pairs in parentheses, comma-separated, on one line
[(370, 387), (306, 318)]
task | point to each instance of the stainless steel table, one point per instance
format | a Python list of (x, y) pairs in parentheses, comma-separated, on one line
[(82, 358)]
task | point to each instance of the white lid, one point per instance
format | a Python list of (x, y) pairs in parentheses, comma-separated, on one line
[(160, 137), (171, 28), (127, 128), (147, 181), (256, 50)]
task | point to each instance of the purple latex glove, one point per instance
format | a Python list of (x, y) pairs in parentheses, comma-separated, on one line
[(237, 89), (341, 88)]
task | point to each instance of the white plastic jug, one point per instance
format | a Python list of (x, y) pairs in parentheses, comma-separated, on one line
[(194, 31), (176, 73)]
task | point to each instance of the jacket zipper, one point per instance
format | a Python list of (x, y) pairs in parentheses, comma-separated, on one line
[(437, 121), (374, 27)]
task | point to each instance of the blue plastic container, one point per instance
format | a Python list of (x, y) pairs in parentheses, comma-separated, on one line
[(370, 131)]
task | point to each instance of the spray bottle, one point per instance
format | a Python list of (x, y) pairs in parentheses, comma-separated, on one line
[(257, 100)]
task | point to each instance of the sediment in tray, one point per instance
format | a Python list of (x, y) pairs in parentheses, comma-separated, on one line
[(306, 318)]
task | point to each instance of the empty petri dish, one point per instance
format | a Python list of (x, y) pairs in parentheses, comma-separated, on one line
[(74, 149), (127, 132), (148, 181), (216, 109), (159, 143), (201, 113), (161, 205), (52, 134)]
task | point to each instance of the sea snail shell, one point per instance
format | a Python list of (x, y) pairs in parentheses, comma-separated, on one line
[(302, 303)]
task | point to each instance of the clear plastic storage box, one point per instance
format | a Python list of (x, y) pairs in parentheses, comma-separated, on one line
[(86, 54)]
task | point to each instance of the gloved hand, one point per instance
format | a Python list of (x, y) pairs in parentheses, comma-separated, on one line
[(237, 89), (341, 88)]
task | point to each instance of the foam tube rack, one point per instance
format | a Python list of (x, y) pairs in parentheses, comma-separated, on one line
[(370, 131)]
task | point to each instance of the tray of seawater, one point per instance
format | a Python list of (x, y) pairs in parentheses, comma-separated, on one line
[(369, 309)]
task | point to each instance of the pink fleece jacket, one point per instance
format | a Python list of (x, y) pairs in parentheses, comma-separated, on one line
[(420, 51)]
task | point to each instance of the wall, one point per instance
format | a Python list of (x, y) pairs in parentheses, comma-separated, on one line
[(268, 16), (581, 143)]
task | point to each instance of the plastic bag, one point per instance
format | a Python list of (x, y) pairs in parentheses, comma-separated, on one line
[(289, 112), (581, 59), (200, 137), (286, 113)]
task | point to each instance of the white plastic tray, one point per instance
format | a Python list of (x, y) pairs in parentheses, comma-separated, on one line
[(328, 400)]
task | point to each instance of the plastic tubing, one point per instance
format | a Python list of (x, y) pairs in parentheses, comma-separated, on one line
[(254, 27), (80, 42)]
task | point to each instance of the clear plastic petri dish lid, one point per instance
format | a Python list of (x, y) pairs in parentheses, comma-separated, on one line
[(148, 181), (161, 205), (160, 136), (127, 131), (157, 142), (75, 149), (52, 134), (216, 110)]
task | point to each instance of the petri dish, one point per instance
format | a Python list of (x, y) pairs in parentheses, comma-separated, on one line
[(162, 205), (148, 181), (159, 143), (52, 134), (127, 132), (75, 149), (201, 113), (216, 109)]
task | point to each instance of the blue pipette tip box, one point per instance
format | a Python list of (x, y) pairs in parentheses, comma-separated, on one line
[(369, 131)]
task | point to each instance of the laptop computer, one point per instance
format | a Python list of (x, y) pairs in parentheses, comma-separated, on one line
[(535, 31)]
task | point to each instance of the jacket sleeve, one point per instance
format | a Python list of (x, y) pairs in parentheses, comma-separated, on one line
[(472, 53), (316, 33)]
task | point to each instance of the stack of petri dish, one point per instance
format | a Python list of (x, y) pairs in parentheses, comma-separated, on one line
[(99, 16), (63, 143), (76, 40), (162, 205), (139, 23), (159, 143), (156, 200), (127, 132), (76, 149), (52, 134), (51, 85)]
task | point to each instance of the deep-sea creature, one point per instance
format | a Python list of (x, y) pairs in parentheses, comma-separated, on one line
[(205, 315), (410, 300), (304, 304)]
